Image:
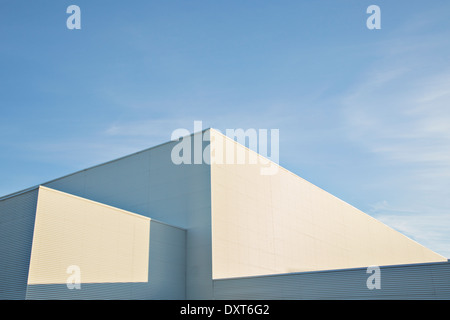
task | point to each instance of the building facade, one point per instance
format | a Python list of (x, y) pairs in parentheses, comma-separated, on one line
[(146, 227)]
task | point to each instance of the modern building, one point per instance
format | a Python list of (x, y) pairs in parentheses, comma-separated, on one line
[(147, 227)]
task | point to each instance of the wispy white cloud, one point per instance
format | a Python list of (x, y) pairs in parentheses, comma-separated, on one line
[(400, 113)]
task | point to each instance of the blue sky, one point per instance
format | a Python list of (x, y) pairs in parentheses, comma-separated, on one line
[(363, 114)]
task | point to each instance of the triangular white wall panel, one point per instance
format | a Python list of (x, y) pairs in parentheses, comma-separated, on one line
[(281, 223)]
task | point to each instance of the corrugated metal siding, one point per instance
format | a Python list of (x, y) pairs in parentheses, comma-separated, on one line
[(167, 264), (17, 215), (148, 183), (421, 281), (166, 274)]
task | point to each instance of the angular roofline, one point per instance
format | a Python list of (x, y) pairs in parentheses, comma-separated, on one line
[(343, 201), (7, 196), (418, 264), (219, 132)]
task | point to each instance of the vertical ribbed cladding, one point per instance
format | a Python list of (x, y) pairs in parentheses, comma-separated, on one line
[(17, 216), (403, 282)]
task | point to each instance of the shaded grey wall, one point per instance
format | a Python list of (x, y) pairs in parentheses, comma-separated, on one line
[(166, 274), (418, 281), (17, 215)]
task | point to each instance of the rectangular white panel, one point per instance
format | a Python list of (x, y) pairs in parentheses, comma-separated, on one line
[(78, 237)]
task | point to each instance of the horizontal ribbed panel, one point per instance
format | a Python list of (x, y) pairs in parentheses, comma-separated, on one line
[(421, 281)]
